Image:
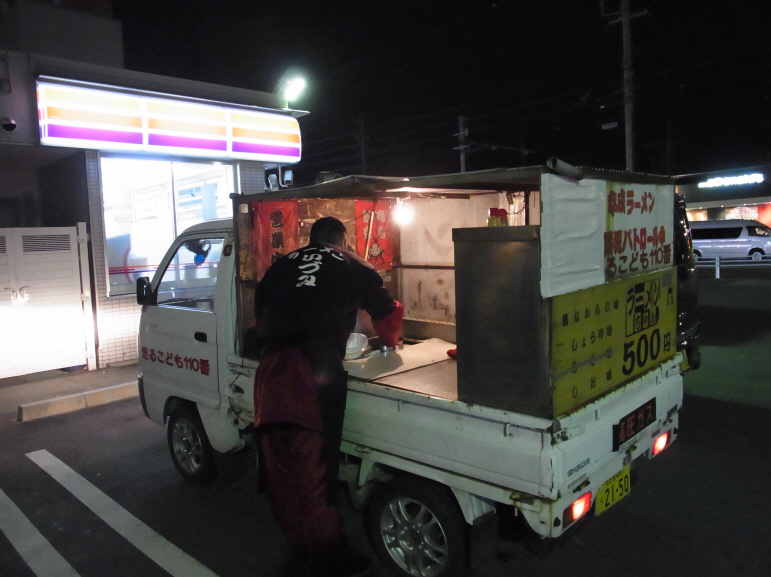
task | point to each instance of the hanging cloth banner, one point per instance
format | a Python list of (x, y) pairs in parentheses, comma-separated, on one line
[(375, 247), (276, 232)]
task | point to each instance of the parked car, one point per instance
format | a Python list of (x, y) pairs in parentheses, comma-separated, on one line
[(730, 239)]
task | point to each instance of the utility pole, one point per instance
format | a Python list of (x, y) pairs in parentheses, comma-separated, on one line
[(626, 27), (625, 17), (362, 145), (462, 141)]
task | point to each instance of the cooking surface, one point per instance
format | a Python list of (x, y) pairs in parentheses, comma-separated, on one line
[(437, 380), (424, 368)]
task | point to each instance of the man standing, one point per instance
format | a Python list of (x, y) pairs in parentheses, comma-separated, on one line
[(306, 307)]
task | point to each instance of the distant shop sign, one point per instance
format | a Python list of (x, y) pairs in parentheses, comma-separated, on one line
[(756, 178), (97, 118)]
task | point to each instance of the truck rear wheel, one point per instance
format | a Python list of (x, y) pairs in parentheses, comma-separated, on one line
[(189, 446), (417, 528)]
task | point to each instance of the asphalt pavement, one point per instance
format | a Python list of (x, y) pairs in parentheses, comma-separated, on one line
[(98, 487), (735, 313)]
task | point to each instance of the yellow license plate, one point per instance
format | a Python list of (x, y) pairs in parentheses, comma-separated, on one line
[(613, 490)]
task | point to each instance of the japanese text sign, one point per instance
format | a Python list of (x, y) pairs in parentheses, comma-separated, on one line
[(609, 334), (276, 232), (639, 229), (177, 361)]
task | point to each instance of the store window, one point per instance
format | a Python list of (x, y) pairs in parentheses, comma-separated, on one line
[(742, 213), (695, 215), (147, 203)]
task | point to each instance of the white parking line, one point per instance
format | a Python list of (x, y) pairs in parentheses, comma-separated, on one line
[(170, 557), (37, 552)]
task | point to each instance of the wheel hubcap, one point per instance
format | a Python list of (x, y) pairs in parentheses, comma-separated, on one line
[(414, 537), (187, 446)]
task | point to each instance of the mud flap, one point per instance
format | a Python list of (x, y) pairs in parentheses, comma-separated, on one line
[(483, 539)]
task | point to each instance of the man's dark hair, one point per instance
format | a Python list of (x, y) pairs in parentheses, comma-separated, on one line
[(328, 230)]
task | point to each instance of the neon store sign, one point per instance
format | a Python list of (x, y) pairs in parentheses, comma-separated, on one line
[(732, 180), (84, 117)]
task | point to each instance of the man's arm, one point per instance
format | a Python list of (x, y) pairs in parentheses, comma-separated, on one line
[(387, 314)]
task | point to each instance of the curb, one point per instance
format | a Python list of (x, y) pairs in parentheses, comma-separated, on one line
[(76, 402)]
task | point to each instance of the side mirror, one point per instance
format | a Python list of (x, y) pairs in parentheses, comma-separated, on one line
[(144, 290)]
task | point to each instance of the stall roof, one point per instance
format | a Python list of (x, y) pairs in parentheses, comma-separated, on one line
[(462, 183)]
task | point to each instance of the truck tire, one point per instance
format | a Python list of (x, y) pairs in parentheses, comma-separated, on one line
[(189, 446), (417, 528)]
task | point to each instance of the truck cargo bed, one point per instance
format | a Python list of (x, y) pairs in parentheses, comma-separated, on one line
[(423, 368), (437, 380)]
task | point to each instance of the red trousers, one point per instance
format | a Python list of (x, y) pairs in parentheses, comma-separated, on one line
[(293, 468)]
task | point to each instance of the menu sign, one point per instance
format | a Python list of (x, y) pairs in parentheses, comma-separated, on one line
[(610, 334)]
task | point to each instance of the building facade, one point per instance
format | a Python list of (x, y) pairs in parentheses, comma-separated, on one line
[(743, 193), (136, 157)]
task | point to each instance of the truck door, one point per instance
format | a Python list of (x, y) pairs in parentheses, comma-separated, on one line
[(179, 329)]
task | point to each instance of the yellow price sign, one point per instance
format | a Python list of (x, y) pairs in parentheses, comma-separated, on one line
[(609, 334)]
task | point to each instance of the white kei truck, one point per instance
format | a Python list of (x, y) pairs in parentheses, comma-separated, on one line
[(567, 375)]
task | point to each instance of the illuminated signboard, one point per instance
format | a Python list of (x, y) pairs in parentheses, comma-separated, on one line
[(79, 117), (732, 180)]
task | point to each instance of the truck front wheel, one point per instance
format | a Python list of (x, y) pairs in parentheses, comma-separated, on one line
[(417, 528), (189, 446)]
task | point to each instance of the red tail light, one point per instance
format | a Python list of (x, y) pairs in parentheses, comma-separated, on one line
[(575, 511), (660, 443), (581, 506)]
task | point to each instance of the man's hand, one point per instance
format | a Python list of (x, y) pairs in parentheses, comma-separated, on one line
[(389, 328)]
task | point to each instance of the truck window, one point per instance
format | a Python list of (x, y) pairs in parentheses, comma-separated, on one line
[(190, 279), (758, 231), (716, 233)]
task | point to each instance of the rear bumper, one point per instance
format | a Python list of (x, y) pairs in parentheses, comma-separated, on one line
[(589, 456), (635, 453)]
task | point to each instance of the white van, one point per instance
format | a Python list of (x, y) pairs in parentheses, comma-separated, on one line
[(731, 239)]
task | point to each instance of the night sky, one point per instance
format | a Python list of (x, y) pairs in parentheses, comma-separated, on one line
[(539, 76)]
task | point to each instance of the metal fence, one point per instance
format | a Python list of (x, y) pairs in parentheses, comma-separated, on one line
[(717, 263)]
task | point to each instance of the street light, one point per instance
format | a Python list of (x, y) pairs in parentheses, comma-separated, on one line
[(291, 88)]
